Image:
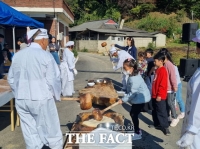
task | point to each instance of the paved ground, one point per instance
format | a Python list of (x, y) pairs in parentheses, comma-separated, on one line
[(92, 66)]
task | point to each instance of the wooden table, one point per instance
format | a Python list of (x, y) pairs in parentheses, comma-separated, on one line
[(102, 93), (6, 96)]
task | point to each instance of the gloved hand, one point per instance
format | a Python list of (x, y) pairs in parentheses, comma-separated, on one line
[(186, 140), (75, 71)]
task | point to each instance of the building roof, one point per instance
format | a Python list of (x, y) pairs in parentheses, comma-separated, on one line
[(156, 32), (108, 23), (110, 27), (136, 34), (127, 29), (111, 31)]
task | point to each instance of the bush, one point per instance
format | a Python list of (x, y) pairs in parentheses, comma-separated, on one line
[(75, 52), (180, 15), (177, 41), (151, 46), (84, 50), (152, 23)]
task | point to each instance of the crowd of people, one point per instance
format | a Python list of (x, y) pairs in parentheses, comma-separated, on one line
[(150, 83), (161, 82), (153, 84)]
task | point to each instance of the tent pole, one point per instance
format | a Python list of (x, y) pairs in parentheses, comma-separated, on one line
[(14, 48)]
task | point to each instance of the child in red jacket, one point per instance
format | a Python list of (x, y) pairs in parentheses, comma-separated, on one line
[(159, 95)]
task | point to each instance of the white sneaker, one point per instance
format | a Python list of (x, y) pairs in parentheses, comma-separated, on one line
[(181, 116), (174, 122), (136, 136)]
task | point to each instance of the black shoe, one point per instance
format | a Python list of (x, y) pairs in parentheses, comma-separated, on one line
[(166, 131), (156, 127), (45, 147)]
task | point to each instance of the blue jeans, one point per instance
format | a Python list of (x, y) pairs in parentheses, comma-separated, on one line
[(56, 57), (179, 98)]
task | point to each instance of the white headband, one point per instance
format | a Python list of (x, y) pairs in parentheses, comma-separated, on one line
[(42, 34)]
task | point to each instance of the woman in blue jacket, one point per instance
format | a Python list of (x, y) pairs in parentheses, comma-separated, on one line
[(130, 48), (137, 94)]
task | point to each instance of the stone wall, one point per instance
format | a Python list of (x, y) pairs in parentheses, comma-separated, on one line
[(91, 45), (142, 42), (94, 45)]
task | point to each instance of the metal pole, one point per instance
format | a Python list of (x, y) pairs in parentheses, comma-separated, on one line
[(14, 48), (89, 35), (188, 49), (192, 16)]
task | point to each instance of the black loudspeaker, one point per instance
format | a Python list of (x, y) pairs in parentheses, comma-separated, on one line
[(189, 31), (188, 66)]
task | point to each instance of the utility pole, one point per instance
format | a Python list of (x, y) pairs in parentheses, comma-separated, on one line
[(192, 15)]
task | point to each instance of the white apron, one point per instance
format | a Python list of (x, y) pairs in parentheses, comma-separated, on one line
[(67, 73), (67, 80), (192, 115)]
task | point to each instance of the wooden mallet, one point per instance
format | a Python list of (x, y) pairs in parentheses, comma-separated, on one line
[(104, 44), (85, 100)]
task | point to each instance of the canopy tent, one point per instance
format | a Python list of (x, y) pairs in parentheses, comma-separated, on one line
[(14, 18)]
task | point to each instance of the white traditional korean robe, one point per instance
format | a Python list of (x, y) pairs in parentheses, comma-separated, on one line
[(67, 73), (122, 56), (35, 81), (192, 118)]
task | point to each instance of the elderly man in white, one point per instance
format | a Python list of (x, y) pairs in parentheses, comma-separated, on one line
[(190, 137), (68, 70), (119, 58), (34, 78)]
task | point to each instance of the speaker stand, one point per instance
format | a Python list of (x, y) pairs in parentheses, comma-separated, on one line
[(188, 50)]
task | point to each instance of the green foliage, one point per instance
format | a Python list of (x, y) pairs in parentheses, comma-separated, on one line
[(177, 41), (178, 30), (142, 10), (180, 15), (84, 50), (196, 9), (112, 13), (155, 23), (75, 52), (151, 46), (134, 10), (89, 10)]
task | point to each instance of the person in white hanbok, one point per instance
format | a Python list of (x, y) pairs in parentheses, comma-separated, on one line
[(119, 57), (68, 70), (190, 137), (34, 78)]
